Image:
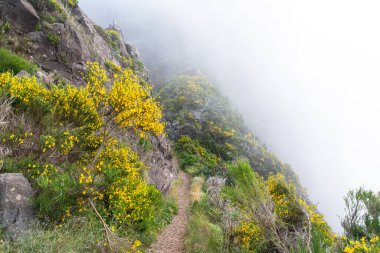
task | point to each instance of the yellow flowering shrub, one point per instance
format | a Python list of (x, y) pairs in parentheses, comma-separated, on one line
[(133, 104), (127, 103), (24, 89), (249, 235), (113, 67), (272, 212), (285, 199), (116, 177), (74, 153), (363, 245), (318, 223), (74, 105)]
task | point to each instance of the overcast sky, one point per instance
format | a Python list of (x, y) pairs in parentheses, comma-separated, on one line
[(305, 75)]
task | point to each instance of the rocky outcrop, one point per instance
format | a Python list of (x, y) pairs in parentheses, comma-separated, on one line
[(163, 168), (158, 156), (20, 14), (16, 210), (72, 47), (65, 46), (214, 187)]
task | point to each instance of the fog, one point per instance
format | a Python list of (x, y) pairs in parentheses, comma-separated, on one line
[(305, 75)]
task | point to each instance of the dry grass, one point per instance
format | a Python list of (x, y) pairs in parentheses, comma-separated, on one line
[(5, 111), (196, 193)]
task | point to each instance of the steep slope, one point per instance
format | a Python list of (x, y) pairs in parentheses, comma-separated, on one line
[(195, 108), (61, 39), (247, 199), (83, 128), (79, 123)]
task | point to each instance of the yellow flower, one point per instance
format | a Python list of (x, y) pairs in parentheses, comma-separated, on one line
[(136, 244)]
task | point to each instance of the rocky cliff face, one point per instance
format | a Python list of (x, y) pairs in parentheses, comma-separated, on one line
[(60, 38)]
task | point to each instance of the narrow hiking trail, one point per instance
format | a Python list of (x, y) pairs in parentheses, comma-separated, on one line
[(172, 238)]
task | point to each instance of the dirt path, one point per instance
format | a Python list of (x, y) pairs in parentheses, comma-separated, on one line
[(172, 238)]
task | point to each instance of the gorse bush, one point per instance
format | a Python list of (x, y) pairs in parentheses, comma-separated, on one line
[(371, 245), (65, 139), (10, 61), (272, 216)]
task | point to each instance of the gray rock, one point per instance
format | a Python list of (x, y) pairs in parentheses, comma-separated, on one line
[(214, 186), (159, 158), (16, 210), (20, 14), (132, 50), (163, 168), (23, 73)]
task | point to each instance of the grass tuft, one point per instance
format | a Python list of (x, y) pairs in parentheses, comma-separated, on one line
[(10, 61)]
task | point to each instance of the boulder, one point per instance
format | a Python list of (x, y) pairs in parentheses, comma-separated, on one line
[(214, 187), (20, 14), (163, 167), (23, 73), (16, 209)]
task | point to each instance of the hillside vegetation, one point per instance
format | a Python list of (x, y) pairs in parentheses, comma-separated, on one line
[(83, 125), (68, 141), (245, 198)]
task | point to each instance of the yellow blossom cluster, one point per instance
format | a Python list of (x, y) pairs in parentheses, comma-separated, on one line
[(318, 222), (16, 138), (47, 142), (68, 143), (133, 104), (229, 133), (127, 102), (96, 80), (36, 169), (284, 197), (24, 89), (118, 170), (363, 245), (113, 67), (249, 235), (292, 209), (72, 104)]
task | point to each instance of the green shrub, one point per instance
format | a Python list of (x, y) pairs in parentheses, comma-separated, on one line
[(195, 159), (113, 38), (101, 31), (51, 11), (53, 39), (10, 61), (203, 233), (366, 222)]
